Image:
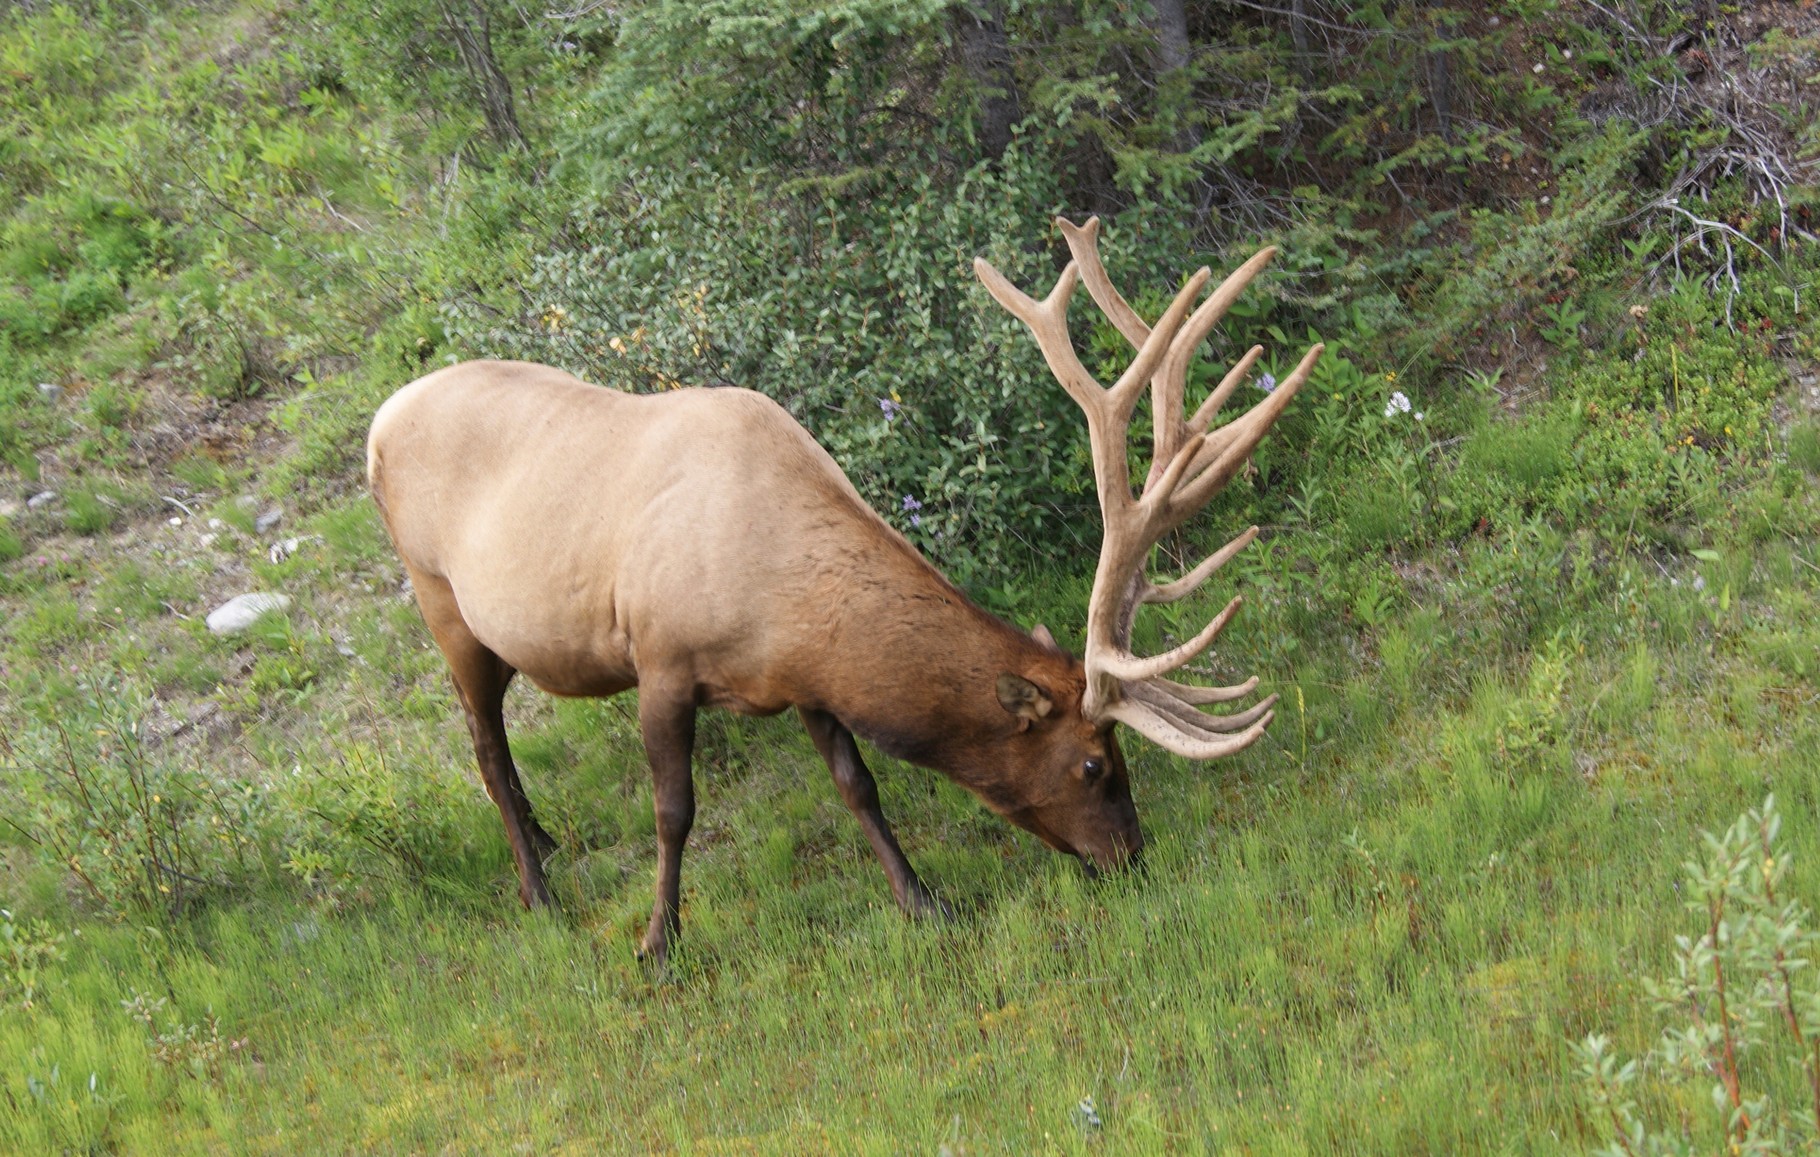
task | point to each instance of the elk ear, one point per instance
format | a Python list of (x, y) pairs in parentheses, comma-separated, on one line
[(1041, 634), (1023, 699)]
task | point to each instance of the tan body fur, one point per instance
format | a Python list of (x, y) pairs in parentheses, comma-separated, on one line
[(700, 545)]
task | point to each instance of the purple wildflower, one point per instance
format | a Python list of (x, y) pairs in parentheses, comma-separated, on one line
[(891, 408), (916, 520), (1267, 382), (910, 503)]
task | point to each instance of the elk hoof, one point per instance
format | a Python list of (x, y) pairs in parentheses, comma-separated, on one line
[(535, 894), (655, 958), (926, 905)]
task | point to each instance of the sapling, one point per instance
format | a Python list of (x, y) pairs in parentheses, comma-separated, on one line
[(1743, 1007)]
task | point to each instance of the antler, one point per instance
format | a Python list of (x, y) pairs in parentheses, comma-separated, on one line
[(1189, 465)]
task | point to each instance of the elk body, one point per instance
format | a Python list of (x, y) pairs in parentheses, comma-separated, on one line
[(699, 545)]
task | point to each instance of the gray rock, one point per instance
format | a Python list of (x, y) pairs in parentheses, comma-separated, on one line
[(237, 614), (42, 498), (268, 520), (50, 391)]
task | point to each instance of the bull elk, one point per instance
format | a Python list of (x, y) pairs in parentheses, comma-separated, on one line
[(700, 546)]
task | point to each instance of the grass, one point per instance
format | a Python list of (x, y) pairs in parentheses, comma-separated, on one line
[(1384, 947)]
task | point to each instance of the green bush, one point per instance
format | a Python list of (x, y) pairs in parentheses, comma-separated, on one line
[(1743, 1007), (139, 834), (863, 318)]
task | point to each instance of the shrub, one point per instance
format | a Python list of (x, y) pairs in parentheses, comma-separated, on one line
[(363, 819), (28, 951), (1744, 1007), (138, 834)]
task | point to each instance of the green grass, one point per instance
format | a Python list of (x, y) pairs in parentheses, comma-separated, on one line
[(1384, 946), (1384, 953)]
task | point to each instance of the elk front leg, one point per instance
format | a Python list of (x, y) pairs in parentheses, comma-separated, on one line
[(481, 679), (668, 723), (860, 791)]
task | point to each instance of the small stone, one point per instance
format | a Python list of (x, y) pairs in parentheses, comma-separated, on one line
[(8, 507), (344, 650), (174, 521), (42, 498), (237, 614), (217, 524), (283, 550), (207, 541), (268, 520), (50, 392)]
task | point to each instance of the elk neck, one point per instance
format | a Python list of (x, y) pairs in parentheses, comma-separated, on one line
[(911, 664)]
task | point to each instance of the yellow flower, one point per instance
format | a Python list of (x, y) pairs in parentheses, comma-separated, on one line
[(1391, 376)]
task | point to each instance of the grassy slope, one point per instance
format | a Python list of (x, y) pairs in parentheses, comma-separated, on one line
[(1377, 931)]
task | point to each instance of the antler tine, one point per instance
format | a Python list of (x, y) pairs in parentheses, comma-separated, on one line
[(1048, 323), (1171, 393), (1156, 347), (1084, 243), (1145, 720), (1168, 384), (1128, 668), (1221, 392), (1188, 693), (1170, 592), (1192, 722), (1227, 448)]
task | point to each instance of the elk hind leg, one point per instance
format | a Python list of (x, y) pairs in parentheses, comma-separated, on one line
[(481, 679), (666, 717), (860, 792)]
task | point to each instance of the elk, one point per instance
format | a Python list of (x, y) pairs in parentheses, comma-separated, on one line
[(699, 545)]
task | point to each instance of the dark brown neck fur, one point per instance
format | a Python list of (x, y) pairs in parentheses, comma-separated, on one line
[(906, 661)]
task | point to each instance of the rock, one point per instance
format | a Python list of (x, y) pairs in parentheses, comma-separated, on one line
[(217, 524), (283, 550), (51, 392), (42, 498), (268, 520), (206, 541), (8, 508), (237, 614), (174, 521)]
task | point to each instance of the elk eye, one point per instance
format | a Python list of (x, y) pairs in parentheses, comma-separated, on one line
[(1092, 768)]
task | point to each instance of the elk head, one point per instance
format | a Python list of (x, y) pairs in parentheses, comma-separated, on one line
[(1190, 463)]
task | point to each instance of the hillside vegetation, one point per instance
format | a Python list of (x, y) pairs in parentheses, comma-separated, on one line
[(1539, 580)]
